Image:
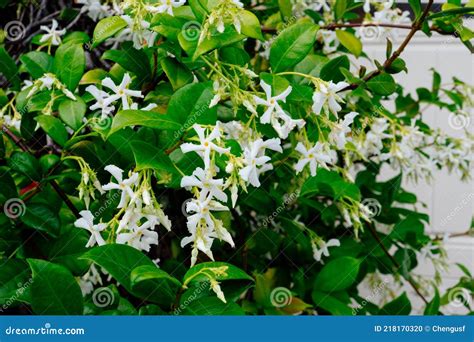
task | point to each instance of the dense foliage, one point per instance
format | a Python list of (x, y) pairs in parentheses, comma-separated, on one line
[(221, 157)]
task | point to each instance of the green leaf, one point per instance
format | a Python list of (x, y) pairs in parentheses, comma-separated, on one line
[(338, 274), (41, 217), (292, 45), (178, 74), (15, 280), (432, 308), (154, 284), (9, 69), (72, 112), (329, 183), (37, 63), (131, 117), (232, 272), (69, 64), (26, 164), (211, 306), (451, 12), (340, 8), (106, 28), (54, 290), (54, 128), (331, 70), (350, 42), (250, 25), (119, 261), (382, 84), (131, 59), (190, 105), (416, 7), (330, 303), (400, 306)]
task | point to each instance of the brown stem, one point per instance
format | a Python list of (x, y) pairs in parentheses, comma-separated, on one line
[(19, 142), (395, 262)]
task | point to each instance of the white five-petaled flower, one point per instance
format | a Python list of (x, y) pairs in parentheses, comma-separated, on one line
[(315, 156), (87, 222), (165, 6), (100, 97), (209, 186), (341, 129), (206, 144), (139, 237), (256, 161), (274, 114), (121, 91), (320, 247), (95, 10), (124, 185), (52, 34), (326, 97)]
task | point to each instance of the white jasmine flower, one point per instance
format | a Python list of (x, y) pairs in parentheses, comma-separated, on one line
[(95, 10), (255, 160), (140, 237), (206, 144), (271, 102), (52, 35), (341, 129), (320, 247), (165, 6), (100, 97), (315, 156), (89, 280), (87, 222), (139, 33), (124, 185), (49, 81), (326, 97), (208, 185), (121, 91), (217, 289)]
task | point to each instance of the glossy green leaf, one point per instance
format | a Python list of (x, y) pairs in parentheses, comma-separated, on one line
[(151, 119), (350, 42), (107, 28), (72, 112), (337, 275), (69, 64), (54, 128)]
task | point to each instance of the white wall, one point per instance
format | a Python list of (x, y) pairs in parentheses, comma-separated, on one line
[(450, 202)]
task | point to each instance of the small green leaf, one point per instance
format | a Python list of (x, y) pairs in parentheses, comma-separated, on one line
[(151, 119), (69, 64), (250, 25), (37, 63), (331, 70), (338, 274), (330, 303), (400, 306), (72, 112), (154, 285), (41, 217), (292, 45), (432, 308), (106, 28), (350, 42), (382, 84), (54, 290), (231, 273), (178, 74), (26, 164), (54, 128)]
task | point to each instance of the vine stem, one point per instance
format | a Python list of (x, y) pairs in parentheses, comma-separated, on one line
[(395, 262), (414, 28), (19, 142)]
